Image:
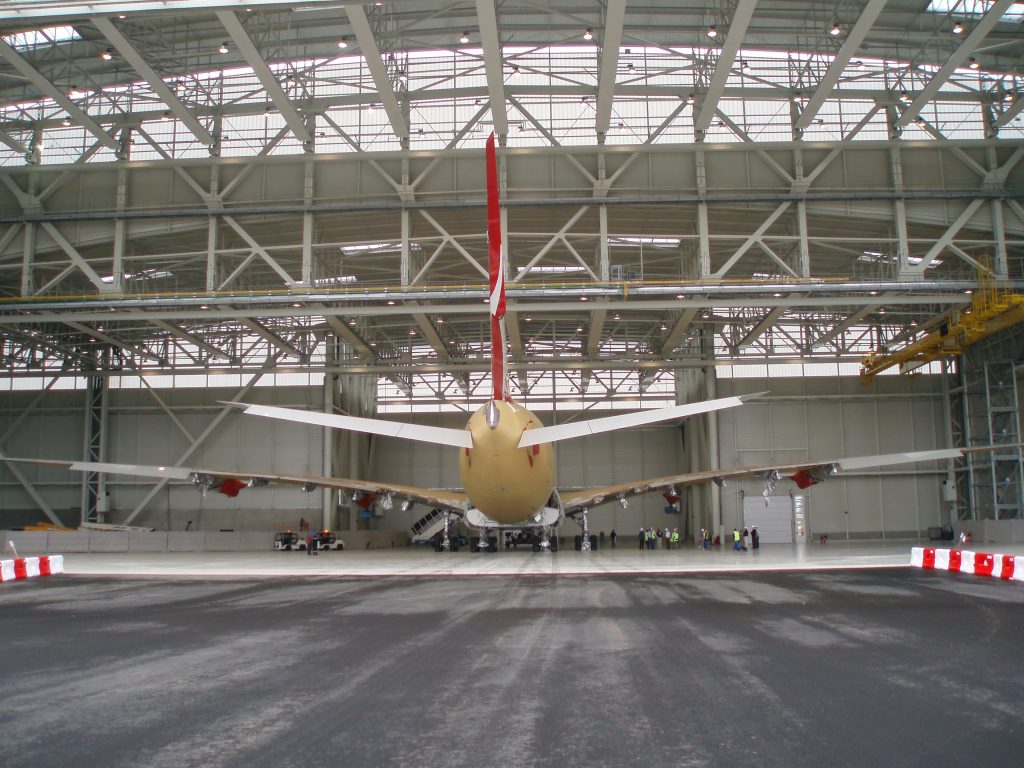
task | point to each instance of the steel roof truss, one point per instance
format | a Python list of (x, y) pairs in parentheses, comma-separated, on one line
[(733, 40), (850, 46), (263, 73), (493, 65), (614, 19), (139, 64), (378, 71), (979, 30)]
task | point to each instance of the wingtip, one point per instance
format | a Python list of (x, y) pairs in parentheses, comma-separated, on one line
[(754, 395)]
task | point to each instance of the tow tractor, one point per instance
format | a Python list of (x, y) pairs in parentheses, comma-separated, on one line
[(290, 540)]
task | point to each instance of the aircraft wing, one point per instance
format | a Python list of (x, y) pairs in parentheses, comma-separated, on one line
[(804, 474), (459, 438), (230, 483)]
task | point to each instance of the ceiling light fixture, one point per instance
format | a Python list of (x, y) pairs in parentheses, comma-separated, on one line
[(66, 122), (464, 38), (589, 34), (107, 55), (165, 116), (712, 32), (973, 63), (224, 47), (836, 30), (343, 43), (958, 28)]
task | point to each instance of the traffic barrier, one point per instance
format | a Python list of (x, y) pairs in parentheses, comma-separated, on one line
[(28, 567), (964, 561)]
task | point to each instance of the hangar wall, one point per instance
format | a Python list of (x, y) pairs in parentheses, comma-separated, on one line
[(810, 417), (826, 418)]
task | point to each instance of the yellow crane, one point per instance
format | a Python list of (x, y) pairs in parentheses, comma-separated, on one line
[(991, 310)]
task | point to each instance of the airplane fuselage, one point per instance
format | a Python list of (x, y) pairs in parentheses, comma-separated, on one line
[(505, 482)]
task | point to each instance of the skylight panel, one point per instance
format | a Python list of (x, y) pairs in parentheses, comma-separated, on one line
[(976, 9), (37, 38)]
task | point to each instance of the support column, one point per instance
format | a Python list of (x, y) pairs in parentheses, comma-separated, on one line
[(94, 492), (703, 241), (28, 258), (307, 226), (330, 390), (357, 396)]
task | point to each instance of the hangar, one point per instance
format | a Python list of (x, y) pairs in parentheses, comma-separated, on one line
[(285, 204)]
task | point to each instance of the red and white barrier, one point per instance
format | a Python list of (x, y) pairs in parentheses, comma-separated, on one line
[(965, 561), (27, 567)]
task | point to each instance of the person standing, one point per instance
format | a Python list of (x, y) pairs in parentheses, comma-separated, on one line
[(736, 540), (755, 538), (642, 538), (612, 537)]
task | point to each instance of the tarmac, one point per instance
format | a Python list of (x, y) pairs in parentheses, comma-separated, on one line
[(778, 668)]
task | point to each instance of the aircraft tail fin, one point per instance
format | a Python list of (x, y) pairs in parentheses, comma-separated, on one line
[(496, 259)]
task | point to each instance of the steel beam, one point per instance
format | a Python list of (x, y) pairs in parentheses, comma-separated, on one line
[(611, 39), (979, 31), (733, 41), (493, 65), (263, 73), (140, 65), (850, 46), (375, 64)]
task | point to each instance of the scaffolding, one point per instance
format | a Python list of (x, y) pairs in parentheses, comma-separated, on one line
[(987, 413)]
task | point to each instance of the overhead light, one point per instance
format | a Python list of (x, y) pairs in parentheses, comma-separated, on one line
[(664, 327), (107, 55), (224, 47), (836, 30), (974, 63), (165, 117), (589, 34), (689, 99), (958, 28), (712, 32), (529, 319), (630, 67), (579, 329), (66, 122), (402, 76), (515, 70), (343, 43), (464, 38), (797, 97), (122, 16), (904, 97), (1008, 96), (412, 332), (369, 107)]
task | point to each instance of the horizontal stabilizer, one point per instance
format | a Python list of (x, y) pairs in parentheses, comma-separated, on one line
[(625, 420), (460, 438)]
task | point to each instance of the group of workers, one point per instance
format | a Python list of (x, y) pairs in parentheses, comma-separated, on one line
[(650, 538), (740, 540)]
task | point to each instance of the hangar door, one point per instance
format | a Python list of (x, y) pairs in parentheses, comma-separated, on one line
[(774, 521)]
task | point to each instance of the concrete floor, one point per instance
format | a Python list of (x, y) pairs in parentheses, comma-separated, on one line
[(422, 561), (800, 669)]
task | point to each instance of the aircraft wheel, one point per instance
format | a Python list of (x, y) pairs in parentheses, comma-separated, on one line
[(492, 544), (437, 545), (578, 542), (593, 543), (536, 546), (554, 544)]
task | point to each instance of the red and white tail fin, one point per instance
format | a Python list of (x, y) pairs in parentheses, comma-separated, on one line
[(496, 255)]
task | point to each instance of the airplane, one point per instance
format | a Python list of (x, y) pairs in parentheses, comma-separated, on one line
[(506, 454)]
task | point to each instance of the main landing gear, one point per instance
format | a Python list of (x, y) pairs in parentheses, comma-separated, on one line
[(585, 542)]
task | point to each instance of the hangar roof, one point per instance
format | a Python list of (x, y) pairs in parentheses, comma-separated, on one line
[(200, 185)]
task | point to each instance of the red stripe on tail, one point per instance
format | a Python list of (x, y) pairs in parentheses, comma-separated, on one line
[(497, 274)]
